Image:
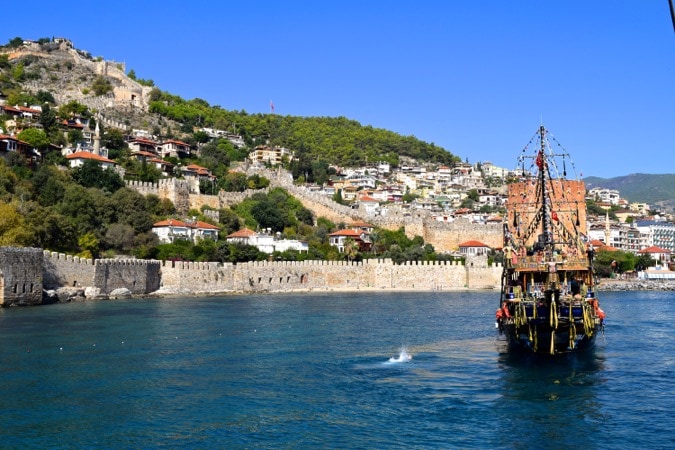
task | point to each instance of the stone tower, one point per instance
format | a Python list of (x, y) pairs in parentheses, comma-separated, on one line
[(97, 140)]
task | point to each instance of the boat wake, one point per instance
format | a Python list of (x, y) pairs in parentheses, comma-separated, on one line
[(403, 357)]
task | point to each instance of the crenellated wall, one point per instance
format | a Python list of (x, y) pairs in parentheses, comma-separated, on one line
[(264, 276), (444, 236), (25, 272), (62, 270), (139, 276)]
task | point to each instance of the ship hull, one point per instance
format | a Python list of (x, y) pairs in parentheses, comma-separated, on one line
[(519, 341)]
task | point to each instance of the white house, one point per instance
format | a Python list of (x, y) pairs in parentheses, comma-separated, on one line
[(473, 248), (173, 148), (339, 239), (265, 242), (271, 155), (77, 159), (369, 204), (171, 230)]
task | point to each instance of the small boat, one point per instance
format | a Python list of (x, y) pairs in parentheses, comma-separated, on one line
[(548, 303)]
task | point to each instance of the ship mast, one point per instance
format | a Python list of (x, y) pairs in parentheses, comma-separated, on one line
[(546, 238)]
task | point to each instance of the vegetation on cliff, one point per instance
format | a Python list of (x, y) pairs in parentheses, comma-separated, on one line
[(88, 211)]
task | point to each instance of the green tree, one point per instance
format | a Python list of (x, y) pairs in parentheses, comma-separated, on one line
[(89, 244), (48, 118), (101, 86), (201, 137), (113, 139), (270, 214), (235, 182), (51, 230), (73, 108), (351, 249), (48, 185), (13, 230), (8, 181), (91, 174), (34, 137), (75, 136), (160, 208), (229, 221), (305, 216), (644, 261), (45, 97), (19, 72), (120, 237), (15, 42), (131, 208), (86, 208)]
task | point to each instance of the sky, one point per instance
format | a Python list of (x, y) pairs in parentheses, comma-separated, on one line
[(474, 77)]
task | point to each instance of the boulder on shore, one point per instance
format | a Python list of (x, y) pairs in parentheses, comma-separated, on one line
[(120, 293), (70, 294)]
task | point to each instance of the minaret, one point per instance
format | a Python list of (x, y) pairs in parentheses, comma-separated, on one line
[(607, 230), (97, 140)]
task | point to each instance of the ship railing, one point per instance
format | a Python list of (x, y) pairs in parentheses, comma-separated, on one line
[(523, 309), (539, 262)]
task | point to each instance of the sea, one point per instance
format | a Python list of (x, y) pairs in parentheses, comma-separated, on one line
[(369, 370)]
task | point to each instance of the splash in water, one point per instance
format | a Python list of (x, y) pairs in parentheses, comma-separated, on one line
[(403, 357)]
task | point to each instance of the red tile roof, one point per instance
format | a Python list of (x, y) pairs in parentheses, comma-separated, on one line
[(204, 225), (173, 141), (244, 232), (473, 244), (89, 155), (360, 223), (71, 124), (12, 138), (654, 249), (178, 223), (141, 140), (348, 233), (170, 223), (143, 153)]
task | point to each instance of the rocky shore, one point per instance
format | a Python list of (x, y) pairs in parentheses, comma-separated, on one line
[(636, 285)]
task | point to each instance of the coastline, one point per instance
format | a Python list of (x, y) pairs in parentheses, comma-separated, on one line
[(162, 293), (635, 285), (78, 294), (603, 285)]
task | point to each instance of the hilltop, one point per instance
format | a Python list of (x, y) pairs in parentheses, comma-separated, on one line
[(95, 159), (656, 190), (114, 94)]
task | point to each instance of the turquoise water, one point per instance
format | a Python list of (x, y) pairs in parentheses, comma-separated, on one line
[(327, 371)]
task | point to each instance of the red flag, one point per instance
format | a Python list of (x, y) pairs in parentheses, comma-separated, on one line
[(540, 160)]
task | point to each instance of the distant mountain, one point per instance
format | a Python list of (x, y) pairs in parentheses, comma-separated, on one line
[(640, 187)]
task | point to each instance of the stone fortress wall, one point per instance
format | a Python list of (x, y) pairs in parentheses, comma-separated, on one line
[(139, 276), (20, 276), (127, 92), (264, 276), (24, 273), (444, 236)]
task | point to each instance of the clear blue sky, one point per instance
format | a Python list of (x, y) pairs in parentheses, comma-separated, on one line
[(474, 77)]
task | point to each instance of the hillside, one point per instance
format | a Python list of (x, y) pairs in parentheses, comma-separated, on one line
[(59, 100), (58, 70), (639, 187)]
